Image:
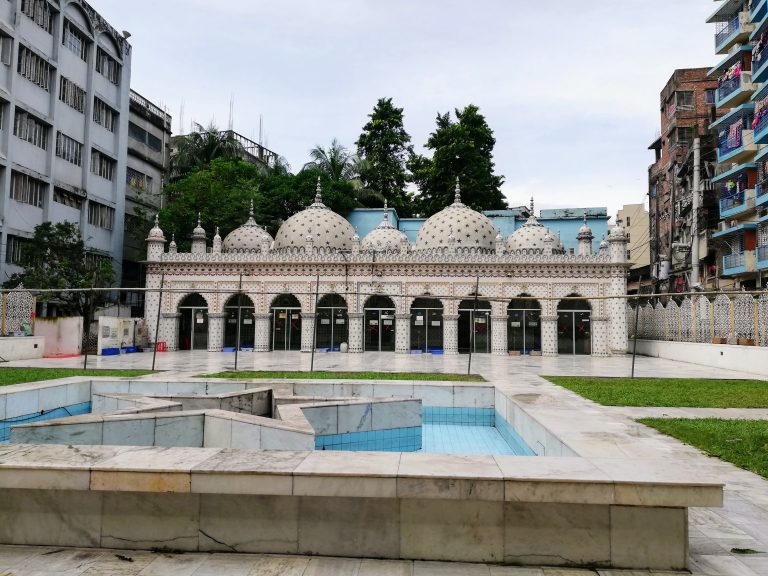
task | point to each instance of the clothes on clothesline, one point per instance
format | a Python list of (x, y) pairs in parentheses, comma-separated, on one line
[(732, 72)]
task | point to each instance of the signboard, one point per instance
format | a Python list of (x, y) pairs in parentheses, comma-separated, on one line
[(419, 321), (325, 321), (374, 322), (515, 324), (387, 322), (294, 316), (435, 322), (533, 324), (248, 321), (340, 321)]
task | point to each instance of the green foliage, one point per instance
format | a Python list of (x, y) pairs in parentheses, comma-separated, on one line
[(385, 148), (199, 148), (462, 149), (742, 442), (336, 162), (55, 258), (10, 376), (668, 392), (322, 375)]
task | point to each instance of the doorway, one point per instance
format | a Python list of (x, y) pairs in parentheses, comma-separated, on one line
[(193, 324), (379, 324), (286, 323), (332, 323), (243, 306), (524, 326), (574, 327), (474, 327), (427, 325)]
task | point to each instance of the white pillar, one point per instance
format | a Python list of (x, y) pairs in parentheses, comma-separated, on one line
[(549, 336), (263, 327), (600, 338), (307, 331), (402, 333), (216, 331), (450, 334), (356, 331), (617, 314), (169, 330), (499, 335)]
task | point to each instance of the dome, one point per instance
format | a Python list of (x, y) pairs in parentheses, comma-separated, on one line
[(457, 225), (585, 232), (156, 233), (532, 237), (248, 238), (199, 232), (385, 237), (327, 229)]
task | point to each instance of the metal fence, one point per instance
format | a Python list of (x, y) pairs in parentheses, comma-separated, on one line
[(707, 318)]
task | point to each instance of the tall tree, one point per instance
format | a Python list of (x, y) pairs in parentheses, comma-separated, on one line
[(463, 149), (385, 147), (199, 148), (335, 161)]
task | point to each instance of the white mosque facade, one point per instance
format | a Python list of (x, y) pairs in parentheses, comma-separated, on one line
[(317, 285)]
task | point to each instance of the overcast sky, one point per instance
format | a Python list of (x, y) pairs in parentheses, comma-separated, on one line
[(571, 89)]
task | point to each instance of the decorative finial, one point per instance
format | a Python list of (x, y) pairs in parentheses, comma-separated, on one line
[(173, 237), (157, 220), (217, 230), (386, 212), (532, 210), (199, 220), (457, 196), (250, 212), (585, 218), (319, 192)]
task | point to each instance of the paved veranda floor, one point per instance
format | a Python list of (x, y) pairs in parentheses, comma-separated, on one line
[(594, 430)]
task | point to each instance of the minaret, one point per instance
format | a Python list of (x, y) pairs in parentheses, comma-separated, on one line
[(155, 242), (172, 247), (199, 245), (618, 243), (499, 244), (356, 243), (216, 249), (585, 238)]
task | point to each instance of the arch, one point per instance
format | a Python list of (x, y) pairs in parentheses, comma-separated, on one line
[(474, 326), (427, 325), (286, 322), (574, 326), (332, 324), (109, 44), (239, 307), (524, 325), (379, 323), (332, 300), (74, 12), (285, 301), (379, 301), (193, 322)]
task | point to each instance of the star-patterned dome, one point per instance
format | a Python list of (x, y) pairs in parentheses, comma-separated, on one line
[(385, 237), (248, 238), (327, 229), (531, 238), (457, 225)]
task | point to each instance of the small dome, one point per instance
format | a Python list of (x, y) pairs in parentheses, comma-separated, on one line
[(585, 232), (156, 233), (457, 225), (532, 237), (385, 237), (248, 238), (199, 232), (604, 244), (327, 229)]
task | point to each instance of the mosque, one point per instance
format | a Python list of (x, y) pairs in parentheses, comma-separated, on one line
[(460, 288)]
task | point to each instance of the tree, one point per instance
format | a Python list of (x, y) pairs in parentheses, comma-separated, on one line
[(385, 148), (336, 162), (462, 149), (199, 148), (56, 258)]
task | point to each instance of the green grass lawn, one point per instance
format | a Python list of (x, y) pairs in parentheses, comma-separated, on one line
[(10, 376), (669, 392), (741, 442), (351, 376)]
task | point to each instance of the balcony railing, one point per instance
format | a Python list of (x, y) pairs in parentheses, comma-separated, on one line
[(762, 123), (762, 253), (734, 260), (728, 87), (734, 141), (760, 59), (727, 30), (731, 201)]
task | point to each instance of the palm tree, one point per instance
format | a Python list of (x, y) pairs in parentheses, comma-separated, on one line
[(197, 149), (336, 162)]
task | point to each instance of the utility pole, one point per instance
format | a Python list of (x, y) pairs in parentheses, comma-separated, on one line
[(695, 212)]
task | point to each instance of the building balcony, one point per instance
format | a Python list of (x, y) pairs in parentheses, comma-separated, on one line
[(759, 11), (761, 194), (760, 66), (762, 257), (735, 91), (734, 25), (737, 204), (735, 139), (739, 263)]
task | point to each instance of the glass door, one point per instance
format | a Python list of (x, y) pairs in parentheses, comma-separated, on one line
[(332, 328), (387, 331), (286, 329), (482, 324), (200, 329), (379, 330), (247, 327), (565, 333), (582, 328), (474, 327)]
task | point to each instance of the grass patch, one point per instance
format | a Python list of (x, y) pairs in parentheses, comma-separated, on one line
[(10, 376), (320, 375), (741, 442), (668, 392)]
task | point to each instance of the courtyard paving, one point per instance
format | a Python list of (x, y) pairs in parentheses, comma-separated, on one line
[(716, 535)]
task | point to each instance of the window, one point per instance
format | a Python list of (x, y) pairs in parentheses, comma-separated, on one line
[(101, 216), (104, 115), (629, 254), (627, 236), (67, 198), (94, 261), (30, 129), (709, 96), (684, 100), (14, 250), (34, 68), (138, 180), (6, 49), (140, 135), (107, 66), (40, 12), (71, 94), (571, 251), (75, 40), (27, 189), (69, 149), (102, 165), (628, 224)]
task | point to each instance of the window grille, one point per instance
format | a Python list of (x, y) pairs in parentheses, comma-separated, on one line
[(40, 12), (102, 165), (71, 94), (34, 68), (104, 115), (101, 216), (30, 129), (75, 40), (107, 66), (27, 189), (69, 149)]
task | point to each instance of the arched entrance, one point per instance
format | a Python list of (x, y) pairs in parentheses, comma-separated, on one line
[(193, 324), (524, 326), (427, 325), (574, 327), (239, 306), (474, 326), (332, 323), (286, 323), (379, 324)]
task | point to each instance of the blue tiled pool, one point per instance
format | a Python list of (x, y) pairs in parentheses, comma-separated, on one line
[(74, 410)]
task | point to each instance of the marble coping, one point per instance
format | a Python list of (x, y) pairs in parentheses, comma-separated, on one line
[(604, 481)]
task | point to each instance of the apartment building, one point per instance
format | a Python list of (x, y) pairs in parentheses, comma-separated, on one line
[(741, 37), (687, 108), (64, 100)]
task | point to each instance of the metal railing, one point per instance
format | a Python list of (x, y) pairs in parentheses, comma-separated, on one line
[(731, 143), (734, 260), (150, 108), (762, 253), (732, 201), (728, 87), (728, 28), (761, 59)]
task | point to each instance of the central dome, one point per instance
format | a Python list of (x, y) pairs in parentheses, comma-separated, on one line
[(327, 229), (457, 225), (248, 238)]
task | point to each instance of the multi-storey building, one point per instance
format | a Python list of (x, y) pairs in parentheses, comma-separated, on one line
[(687, 109), (742, 135), (149, 137), (64, 91)]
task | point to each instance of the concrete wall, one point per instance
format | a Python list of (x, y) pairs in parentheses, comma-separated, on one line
[(753, 359), (22, 348), (63, 336)]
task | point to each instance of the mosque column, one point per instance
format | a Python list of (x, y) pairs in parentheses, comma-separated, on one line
[(600, 339), (499, 335), (216, 331), (355, 332), (549, 335), (308, 331), (403, 333), (450, 334), (262, 327), (169, 330)]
